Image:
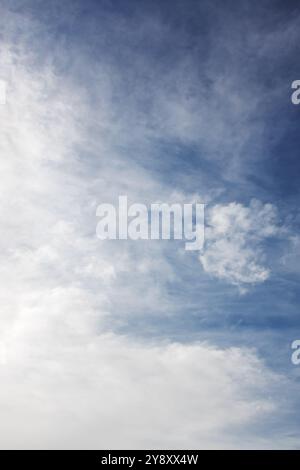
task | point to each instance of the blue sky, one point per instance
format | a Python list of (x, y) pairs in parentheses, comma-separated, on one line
[(171, 101)]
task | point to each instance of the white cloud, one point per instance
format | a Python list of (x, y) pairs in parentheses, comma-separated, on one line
[(108, 392), (234, 236)]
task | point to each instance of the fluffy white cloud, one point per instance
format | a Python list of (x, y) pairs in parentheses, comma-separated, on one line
[(106, 391), (234, 236)]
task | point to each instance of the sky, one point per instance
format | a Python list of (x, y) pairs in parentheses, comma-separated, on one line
[(126, 344)]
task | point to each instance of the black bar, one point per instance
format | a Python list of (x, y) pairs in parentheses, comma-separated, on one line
[(154, 458)]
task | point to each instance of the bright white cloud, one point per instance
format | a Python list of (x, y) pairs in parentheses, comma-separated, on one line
[(109, 392), (234, 237)]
